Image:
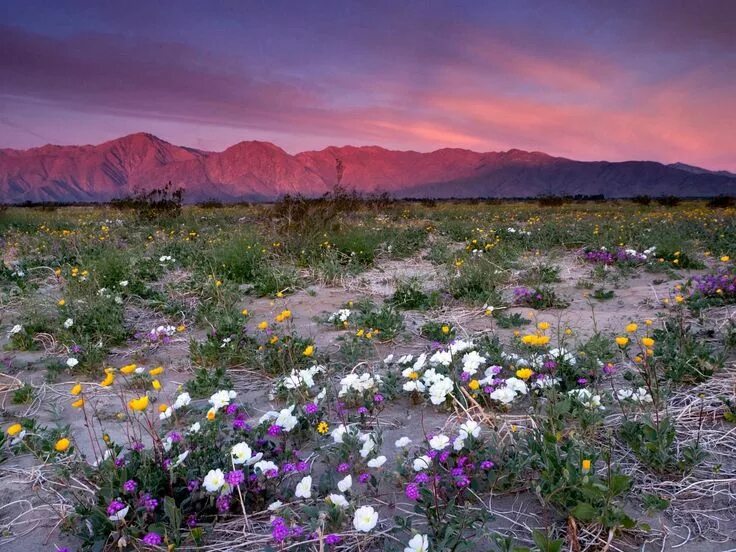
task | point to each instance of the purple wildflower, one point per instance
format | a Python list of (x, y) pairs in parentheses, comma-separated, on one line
[(152, 539), (412, 491), (130, 486)]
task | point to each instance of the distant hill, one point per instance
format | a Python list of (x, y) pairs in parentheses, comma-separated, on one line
[(259, 171)]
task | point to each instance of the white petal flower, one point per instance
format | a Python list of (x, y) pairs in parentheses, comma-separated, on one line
[(345, 483), (377, 462), (241, 453), (402, 442), (418, 543), (365, 519), (214, 480), (304, 487), (422, 463), (439, 442), (338, 500)]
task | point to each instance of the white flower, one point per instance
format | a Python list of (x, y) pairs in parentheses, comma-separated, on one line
[(180, 459), (119, 515), (68, 323), (286, 420), (472, 361), (214, 480), (182, 400), (123, 283), (503, 395), (459, 345), (422, 463), (414, 385), (402, 442), (442, 358), (345, 483), (195, 427), (275, 505), (241, 453), (338, 500), (304, 487), (365, 519), (418, 543), (368, 445), (166, 414), (470, 428), (517, 385), (377, 462), (265, 466), (439, 442), (15, 329), (389, 359), (222, 399), (71, 362), (439, 390), (545, 382), (459, 443), (338, 433), (420, 362), (405, 359)]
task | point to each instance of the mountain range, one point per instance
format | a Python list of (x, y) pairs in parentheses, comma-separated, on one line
[(261, 171)]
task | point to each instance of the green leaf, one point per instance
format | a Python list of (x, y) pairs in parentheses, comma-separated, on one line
[(583, 511)]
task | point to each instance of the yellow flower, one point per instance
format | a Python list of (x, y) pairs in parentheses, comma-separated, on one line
[(725, 258), (524, 373), (263, 325), (647, 342), (360, 332), (648, 322), (323, 428), (622, 341), (139, 404), (180, 328), (218, 283), (543, 326), (586, 465), (445, 329), (76, 390), (679, 298), (157, 371), (631, 328), (279, 294), (163, 407), (273, 339), (244, 312), (413, 375), (474, 384), (109, 379), (568, 331), (211, 414), (61, 302), (308, 351), (14, 429), (128, 369), (156, 385), (78, 403), (62, 444)]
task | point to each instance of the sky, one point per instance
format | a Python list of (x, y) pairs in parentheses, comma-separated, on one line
[(611, 80)]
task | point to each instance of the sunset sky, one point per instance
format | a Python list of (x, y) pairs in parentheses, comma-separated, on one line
[(587, 80)]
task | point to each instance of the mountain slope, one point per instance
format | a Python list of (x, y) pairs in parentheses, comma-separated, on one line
[(262, 171)]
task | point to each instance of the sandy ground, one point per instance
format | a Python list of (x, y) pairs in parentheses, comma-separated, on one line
[(30, 509)]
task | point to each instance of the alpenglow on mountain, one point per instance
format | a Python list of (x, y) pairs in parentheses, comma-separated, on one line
[(261, 171)]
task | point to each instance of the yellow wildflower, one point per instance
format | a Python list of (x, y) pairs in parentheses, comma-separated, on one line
[(263, 325), (524, 373), (14, 429), (76, 390), (543, 326), (79, 403), (622, 341), (139, 404), (474, 384), (156, 385), (445, 329), (647, 342), (323, 428), (308, 351), (631, 328), (128, 369), (62, 444), (61, 302), (586, 465)]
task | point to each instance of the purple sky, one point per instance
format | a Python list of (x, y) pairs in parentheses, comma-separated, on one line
[(587, 80)]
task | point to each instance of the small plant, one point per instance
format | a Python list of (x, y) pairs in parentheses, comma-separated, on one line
[(441, 332), (602, 294), (24, 394), (410, 296), (539, 298), (514, 320)]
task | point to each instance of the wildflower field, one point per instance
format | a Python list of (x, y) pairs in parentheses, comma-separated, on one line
[(395, 376)]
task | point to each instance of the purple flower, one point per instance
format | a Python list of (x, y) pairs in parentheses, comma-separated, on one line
[(114, 507), (582, 381), (444, 455), (332, 539), (378, 398), (288, 467), (166, 463), (152, 539), (238, 422), (149, 503), (192, 521), (311, 408), (421, 478), (130, 486), (231, 409), (235, 478), (302, 466), (486, 465), (138, 446), (279, 530), (462, 481), (344, 467), (175, 436), (412, 491), (297, 531), (193, 485), (274, 430), (457, 472), (362, 410), (223, 503), (364, 478)]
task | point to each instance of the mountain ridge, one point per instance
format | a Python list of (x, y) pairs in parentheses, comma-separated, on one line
[(258, 171)]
